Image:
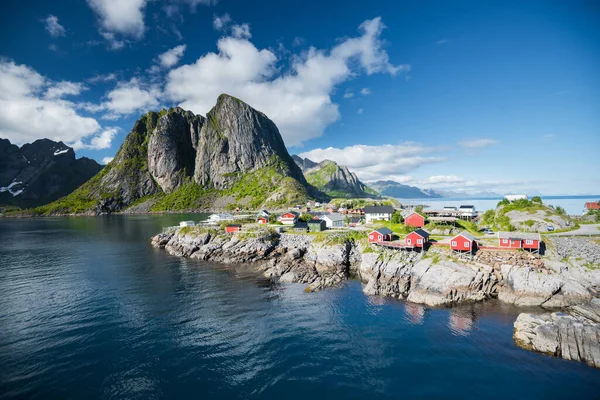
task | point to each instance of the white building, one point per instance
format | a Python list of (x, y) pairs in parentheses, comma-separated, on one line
[(334, 220), (467, 211), (514, 197), (378, 213), (216, 218), (187, 223), (289, 218)]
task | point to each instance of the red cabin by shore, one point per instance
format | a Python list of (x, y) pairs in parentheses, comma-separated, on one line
[(462, 242), (233, 228), (418, 238), (415, 220), (519, 240), (263, 220), (380, 235), (590, 205)]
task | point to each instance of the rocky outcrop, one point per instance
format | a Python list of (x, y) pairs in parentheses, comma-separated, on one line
[(171, 148), (333, 179), (289, 258), (235, 139), (572, 335), (425, 280), (40, 172)]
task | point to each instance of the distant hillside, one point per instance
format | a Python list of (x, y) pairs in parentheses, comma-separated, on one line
[(40, 172), (484, 194), (398, 190), (174, 160), (333, 179)]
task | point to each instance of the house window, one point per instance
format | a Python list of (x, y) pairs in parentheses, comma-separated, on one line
[(467, 244), (370, 236), (419, 241), (453, 243), (504, 240), (407, 241), (529, 241)]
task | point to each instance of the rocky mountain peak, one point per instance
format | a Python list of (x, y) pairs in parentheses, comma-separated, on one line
[(237, 138)]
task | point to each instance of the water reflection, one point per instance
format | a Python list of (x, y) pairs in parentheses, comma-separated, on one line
[(414, 313), (461, 321)]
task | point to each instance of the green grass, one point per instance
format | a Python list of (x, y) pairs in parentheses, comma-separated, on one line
[(340, 237), (189, 196)]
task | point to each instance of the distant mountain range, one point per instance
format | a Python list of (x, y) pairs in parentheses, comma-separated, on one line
[(398, 190), (333, 179), (40, 172)]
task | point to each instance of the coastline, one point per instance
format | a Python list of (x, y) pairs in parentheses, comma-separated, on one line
[(434, 278)]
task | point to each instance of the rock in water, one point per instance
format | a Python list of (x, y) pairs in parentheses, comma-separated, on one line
[(236, 138), (570, 336)]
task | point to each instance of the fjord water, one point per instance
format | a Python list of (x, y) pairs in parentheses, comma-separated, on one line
[(89, 309)]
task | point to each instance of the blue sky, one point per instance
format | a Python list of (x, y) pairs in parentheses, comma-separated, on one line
[(465, 96)]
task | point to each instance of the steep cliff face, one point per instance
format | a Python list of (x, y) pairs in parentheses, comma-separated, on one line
[(333, 179), (239, 139), (175, 160), (40, 172), (172, 148)]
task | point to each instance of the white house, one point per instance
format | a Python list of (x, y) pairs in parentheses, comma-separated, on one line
[(467, 211), (264, 213), (334, 220), (378, 213), (515, 197), (216, 218), (186, 223)]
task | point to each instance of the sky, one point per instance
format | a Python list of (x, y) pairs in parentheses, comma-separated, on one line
[(465, 96)]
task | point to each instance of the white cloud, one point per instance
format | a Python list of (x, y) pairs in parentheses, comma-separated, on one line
[(377, 162), (442, 41), (53, 47), (221, 22), (348, 95), (171, 57), (360, 111), (241, 31), (477, 143), (365, 91), (64, 88), (129, 97), (103, 140), (53, 27), (297, 99), (106, 160), (103, 78), (31, 108), (113, 42), (122, 16)]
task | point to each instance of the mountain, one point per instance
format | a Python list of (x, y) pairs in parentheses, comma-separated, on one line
[(333, 179), (398, 190), (175, 160), (40, 172)]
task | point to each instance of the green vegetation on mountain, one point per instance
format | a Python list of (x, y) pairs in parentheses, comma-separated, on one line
[(527, 215), (333, 179)]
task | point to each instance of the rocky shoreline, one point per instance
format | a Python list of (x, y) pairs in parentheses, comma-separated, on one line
[(433, 278)]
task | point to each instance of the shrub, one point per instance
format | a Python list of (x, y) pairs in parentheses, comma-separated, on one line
[(536, 199)]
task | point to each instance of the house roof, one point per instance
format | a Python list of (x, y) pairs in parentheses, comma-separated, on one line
[(354, 219), (291, 212), (379, 210), (300, 225), (315, 221), (466, 235), (466, 207), (409, 213), (421, 232), (384, 231), (334, 217), (519, 235)]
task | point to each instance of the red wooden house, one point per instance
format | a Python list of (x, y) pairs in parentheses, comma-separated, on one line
[(289, 218), (233, 228), (591, 205), (414, 219), (463, 242), (417, 239), (380, 235), (520, 240), (263, 220)]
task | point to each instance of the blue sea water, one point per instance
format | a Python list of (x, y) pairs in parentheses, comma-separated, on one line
[(89, 310)]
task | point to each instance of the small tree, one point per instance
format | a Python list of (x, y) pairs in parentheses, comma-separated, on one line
[(306, 217), (397, 218), (560, 210), (419, 210), (536, 199)]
